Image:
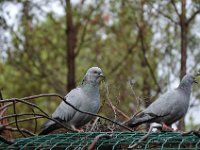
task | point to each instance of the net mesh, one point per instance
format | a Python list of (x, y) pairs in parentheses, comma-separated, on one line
[(117, 140)]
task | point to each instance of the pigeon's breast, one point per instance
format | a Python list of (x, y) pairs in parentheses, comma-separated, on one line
[(90, 103)]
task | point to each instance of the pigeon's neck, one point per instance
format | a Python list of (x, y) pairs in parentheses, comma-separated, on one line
[(88, 82), (90, 87), (185, 87)]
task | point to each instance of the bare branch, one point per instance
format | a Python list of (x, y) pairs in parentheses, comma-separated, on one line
[(16, 130), (165, 15), (109, 101), (138, 100), (37, 114), (16, 122), (30, 104), (29, 98), (23, 120), (129, 51), (175, 8), (105, 118), (35, 129), (197, 133), (85, 28), (121, 112), (98, 137), (193, 16), (144, 137), (146, 60), (59, 96), (93, 125), (9, 142)]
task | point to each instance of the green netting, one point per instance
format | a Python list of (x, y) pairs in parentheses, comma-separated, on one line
[(119, 140)]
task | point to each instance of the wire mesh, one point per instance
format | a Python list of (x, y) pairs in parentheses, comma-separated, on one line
[(119, 140)]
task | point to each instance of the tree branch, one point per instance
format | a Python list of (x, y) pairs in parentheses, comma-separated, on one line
[(37, 114), (85, 29), (16, 122), (192, 16), (175, 8), (146, 60), (64, 99)]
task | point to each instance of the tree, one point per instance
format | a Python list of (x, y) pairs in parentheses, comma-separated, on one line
[(71, 45)]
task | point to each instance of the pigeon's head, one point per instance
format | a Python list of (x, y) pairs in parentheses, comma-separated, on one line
[(93, 74), (188, 80)]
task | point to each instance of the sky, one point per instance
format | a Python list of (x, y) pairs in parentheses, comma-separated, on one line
[(11, 11)]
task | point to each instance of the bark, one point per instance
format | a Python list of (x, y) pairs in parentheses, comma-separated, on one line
[(70, 48), (144, 63), (183, 25), (184, 28)]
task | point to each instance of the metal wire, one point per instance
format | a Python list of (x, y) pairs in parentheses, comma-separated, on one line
[(119, 140)]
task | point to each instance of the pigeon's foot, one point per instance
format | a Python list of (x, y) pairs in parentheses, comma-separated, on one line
[(177, 130), (166, 128), (77, 130)]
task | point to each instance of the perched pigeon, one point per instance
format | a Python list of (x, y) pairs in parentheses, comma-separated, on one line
[(168, 108), (85, 97)]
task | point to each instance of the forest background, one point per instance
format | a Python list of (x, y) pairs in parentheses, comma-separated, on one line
[(143, 47)]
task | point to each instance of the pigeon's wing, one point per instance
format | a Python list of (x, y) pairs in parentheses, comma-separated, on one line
[(168, 104), (161, 107), (66, 112)]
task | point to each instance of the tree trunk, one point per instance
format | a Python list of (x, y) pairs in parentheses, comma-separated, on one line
[(183, 25), (70, 48), (144, 45)]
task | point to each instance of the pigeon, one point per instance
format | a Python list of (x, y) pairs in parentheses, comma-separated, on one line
[(86, 97), (168, 108)]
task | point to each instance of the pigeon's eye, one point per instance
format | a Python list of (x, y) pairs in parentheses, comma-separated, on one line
[(95, 72)]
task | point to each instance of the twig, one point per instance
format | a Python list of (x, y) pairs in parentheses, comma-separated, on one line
[(175, 8), (193, 16), (137, 99), (143, 137), (29, 98), (110, 103), (59, 96), (37, 114), (120, 112), (16, 130), (143, 47), (95, 121), (105, 118), (197, 133), (98, 137), (9, 142), (14, 110), (85, 29), (35, 129), (22, 120)]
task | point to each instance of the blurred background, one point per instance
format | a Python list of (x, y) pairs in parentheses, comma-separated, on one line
[(143, 47)]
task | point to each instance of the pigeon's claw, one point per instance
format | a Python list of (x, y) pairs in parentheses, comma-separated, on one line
[(166, 128), (77, 130)]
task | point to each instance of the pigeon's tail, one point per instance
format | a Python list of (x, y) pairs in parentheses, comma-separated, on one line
[(48, 127), (138, 120)]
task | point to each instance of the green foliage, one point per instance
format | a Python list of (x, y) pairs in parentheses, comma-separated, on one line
[(110, 39)]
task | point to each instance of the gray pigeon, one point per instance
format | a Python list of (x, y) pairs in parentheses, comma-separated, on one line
[(85, 97), (168, 108)]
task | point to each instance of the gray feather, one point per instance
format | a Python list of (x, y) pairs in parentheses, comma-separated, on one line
[(85, 97), (168, 108)]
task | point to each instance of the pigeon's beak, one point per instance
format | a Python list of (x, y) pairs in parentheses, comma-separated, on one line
[(102, 77), (195, 81), (198, 74)]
